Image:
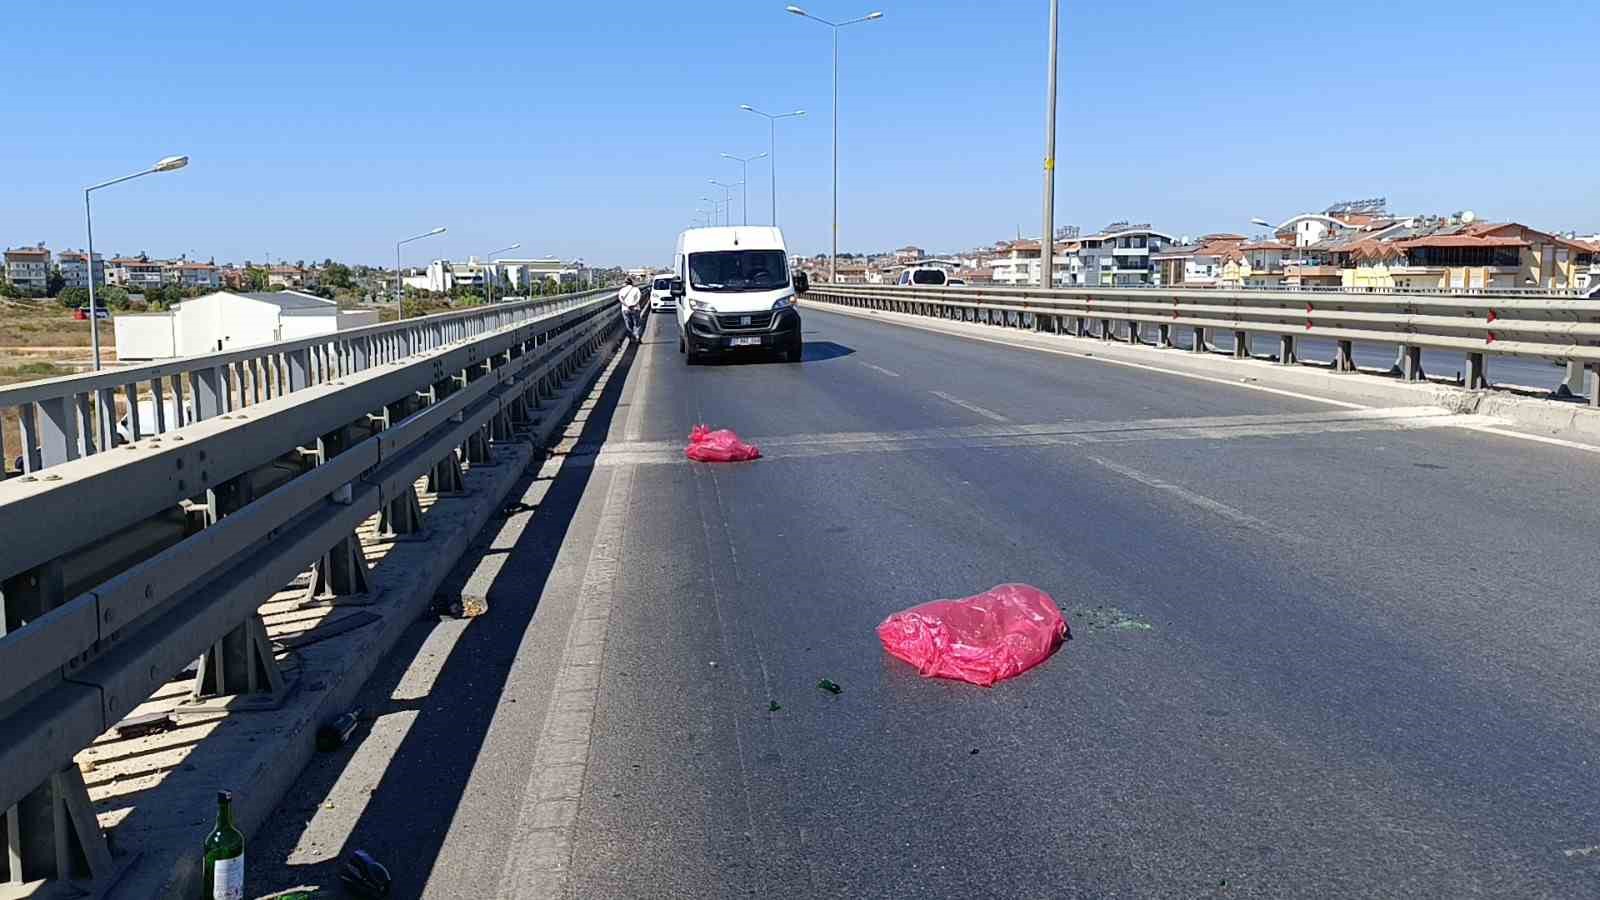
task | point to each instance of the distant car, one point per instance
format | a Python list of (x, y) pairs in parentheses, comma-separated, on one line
[(954, 282), (82, 313), (661, 294), (923, 276)]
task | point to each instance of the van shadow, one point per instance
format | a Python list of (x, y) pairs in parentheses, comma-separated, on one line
[(415, 797)]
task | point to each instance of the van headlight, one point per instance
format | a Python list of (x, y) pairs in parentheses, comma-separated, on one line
[(701, 306), (784, 302)]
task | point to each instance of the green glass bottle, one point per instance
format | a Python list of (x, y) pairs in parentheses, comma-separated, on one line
[(224, 849)]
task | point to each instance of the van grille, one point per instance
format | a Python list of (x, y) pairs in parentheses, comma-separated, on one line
[(758, 321)]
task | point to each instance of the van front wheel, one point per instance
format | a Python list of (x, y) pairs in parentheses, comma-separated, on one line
[(795, 352)]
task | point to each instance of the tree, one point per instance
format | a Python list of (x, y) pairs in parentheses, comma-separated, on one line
[(256, 278), (55, 282), (336, 275), (73, 297)]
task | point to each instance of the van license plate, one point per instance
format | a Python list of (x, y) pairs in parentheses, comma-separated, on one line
[(747, 342)]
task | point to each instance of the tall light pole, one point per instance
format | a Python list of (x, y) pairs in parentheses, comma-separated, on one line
[(488, 270), (165, 164), (1047, 245), (744, 174), (716, 207), (399, 279), (772, 149), (833, 258), (727, 193)]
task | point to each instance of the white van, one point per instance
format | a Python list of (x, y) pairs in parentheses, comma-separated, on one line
[(923, 276), (734, 293), (661, 293)]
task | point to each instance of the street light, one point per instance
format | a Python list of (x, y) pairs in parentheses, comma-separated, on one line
[(716, 207), (165, 164), (727, 193), (399, 279), (1047, 242), (488, 271), (772, 149), (833, 259), (744, 163)]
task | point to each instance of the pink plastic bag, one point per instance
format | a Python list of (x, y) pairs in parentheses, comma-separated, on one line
[(1000, 633), (706, 445)]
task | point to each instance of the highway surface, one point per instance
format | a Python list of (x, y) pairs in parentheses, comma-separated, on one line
[(1317, 651)]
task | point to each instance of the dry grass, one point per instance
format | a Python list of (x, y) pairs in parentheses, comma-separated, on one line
[(40, 339)]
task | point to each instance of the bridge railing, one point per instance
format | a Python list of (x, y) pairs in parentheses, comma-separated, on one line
[(119, 568), (66, 418), (1558, 328)]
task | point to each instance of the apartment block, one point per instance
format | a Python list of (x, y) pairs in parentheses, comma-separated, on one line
[(76, 272), (136, 273), (28, 269), (1120, 255)]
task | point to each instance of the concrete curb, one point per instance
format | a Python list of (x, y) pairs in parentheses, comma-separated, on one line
[(1535, 418), (261, 760)]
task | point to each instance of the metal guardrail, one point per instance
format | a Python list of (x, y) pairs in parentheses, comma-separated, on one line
[(120, 568), (1550, 327), (74, 416)]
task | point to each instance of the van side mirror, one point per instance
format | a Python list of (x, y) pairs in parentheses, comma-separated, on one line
[(677, 288), (802, 282)]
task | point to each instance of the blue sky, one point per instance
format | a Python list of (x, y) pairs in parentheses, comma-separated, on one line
[(334, 128)]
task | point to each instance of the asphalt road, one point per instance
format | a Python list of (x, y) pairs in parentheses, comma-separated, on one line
[(1318, 652)]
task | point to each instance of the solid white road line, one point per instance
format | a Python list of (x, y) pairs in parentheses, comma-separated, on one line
[(881, 370)]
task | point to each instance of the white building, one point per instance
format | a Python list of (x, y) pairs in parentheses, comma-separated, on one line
[(1017, 264), (227, 321)]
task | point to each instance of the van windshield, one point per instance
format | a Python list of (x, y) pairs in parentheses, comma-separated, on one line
[(927, 276), (739, 270), (663, 284)]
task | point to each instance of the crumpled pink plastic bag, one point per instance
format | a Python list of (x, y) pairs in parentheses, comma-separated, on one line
[(995, 635), (723, 445)]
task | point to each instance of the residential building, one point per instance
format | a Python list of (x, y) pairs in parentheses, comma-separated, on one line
[(1017, 263), (286, 277), (136, 273), (1200, 264), (1120, 255), (519, 273), (1260, 264), (192, 275), (232, 277), (1453, 253), (76, 270), (28, 269), (909, 255)]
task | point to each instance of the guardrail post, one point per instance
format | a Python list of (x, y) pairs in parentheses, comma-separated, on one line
[(1344, 357), (1241, 345), (52, 834), (339, 577), (1286, 350), (1577, 373), (58, 432), (1411, 363), (1477, 374), (400, 519)]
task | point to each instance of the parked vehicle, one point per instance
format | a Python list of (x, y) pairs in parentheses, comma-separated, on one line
[(82, 313), (954, 282), (734, 293), (147, 418), (661, 294), (923, 276)]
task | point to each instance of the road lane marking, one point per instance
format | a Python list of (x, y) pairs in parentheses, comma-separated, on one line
[(971, 407), (540, 862), (1238, 517), (881, 369), (1582, 852), (1050, 434)]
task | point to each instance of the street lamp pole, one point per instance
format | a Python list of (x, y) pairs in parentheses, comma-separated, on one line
[(833, 258), (744, 173), (727, 193), (1047, 243), (488, 270), (166, 164), (399, 277), (772, 149)]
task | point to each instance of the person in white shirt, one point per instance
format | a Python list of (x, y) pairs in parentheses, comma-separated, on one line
[(632, 303)]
